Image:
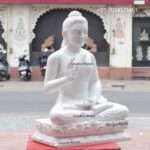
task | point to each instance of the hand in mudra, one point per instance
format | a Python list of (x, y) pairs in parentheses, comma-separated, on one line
[(88, 104), (72, 70)]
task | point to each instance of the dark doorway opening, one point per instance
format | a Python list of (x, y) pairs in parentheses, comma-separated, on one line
[(141, 42), (2, 41), (50, 23)]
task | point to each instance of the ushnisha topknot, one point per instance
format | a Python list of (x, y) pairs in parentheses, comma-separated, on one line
[(74, 14), (73, 18)]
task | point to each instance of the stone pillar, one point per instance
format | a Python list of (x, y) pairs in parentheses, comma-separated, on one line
[(121, 37), (19, 33)]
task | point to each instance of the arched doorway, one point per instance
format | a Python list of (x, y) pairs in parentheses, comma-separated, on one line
[(2, 41), (50, 23)]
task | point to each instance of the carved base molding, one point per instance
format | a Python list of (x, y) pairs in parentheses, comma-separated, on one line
[(77, 141), (88, 132), (79, 129), (32, 145)]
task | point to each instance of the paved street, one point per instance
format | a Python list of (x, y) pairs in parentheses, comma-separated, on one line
[(39, 102), (22, 103)]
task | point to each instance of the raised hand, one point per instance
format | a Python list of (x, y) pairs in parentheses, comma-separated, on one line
[(72, 70)]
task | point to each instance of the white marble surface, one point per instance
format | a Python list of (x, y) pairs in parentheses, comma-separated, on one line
[(80, 129), (72, 73), (65, 142)]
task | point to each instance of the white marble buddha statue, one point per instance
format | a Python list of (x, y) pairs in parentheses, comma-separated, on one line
[(80, 105), (139, 53), (148, 53), (144, 35)]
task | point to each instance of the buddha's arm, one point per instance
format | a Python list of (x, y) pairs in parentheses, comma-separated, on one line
[(95, 87), (51, 82)]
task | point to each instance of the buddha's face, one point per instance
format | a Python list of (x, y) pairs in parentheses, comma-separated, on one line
[(77, 34)]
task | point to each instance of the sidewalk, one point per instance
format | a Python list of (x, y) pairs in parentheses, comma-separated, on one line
[(108, 85), (127, 85), (16, 139), (11, 140)]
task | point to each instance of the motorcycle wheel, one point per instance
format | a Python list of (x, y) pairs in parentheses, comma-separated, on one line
[(43, 73), (4, 76), (8, 77), (1, 78), (27, 78)]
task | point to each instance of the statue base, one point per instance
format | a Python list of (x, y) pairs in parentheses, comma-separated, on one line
[(79, 141), (83, 133), (32, 145)]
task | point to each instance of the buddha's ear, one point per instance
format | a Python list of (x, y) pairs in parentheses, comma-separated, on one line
[(64, 35)]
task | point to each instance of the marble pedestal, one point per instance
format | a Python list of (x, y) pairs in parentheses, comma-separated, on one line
[(88, 132), (32, 145)]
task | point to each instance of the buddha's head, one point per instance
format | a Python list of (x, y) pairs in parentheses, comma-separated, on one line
[(75, 29)]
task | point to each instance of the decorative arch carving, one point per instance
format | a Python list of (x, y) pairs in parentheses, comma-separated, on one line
[(141, 12), (37, 12), (3, 21), (102, 13)]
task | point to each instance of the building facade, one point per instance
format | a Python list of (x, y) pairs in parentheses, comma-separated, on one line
[(114, 28)]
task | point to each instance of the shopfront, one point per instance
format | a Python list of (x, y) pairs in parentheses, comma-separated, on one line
[(27, 24), (50, 24), (141, 41)]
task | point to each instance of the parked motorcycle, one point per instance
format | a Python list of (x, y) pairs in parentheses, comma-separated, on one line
[(43, 61), (24, 68), (4, 67)]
